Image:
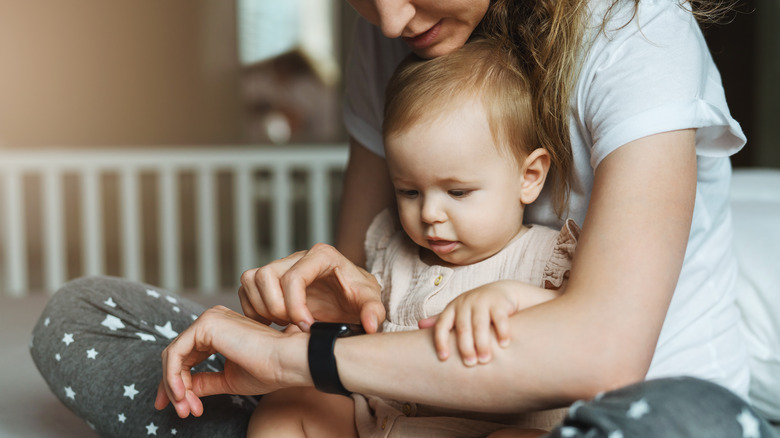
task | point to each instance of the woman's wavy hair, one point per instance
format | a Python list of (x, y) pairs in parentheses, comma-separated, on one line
[(548, 37)]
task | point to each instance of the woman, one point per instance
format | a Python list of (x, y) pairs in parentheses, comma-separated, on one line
[(650, 135)]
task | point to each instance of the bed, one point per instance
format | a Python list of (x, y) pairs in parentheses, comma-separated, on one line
[(289, 185)]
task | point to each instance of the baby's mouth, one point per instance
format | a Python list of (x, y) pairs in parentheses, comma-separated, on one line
[(442, 246)]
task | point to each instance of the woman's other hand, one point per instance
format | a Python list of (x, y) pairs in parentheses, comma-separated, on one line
[(254, 362), (320, 284)]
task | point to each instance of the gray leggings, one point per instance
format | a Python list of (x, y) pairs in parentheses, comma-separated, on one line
[(98, 344)]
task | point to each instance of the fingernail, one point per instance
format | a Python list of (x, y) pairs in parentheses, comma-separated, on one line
[(503, 343), (374, 323), (304, 326), (484, 358), (470, 361), (443, 355)]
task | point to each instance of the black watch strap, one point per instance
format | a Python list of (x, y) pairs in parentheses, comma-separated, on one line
[(322, 361)]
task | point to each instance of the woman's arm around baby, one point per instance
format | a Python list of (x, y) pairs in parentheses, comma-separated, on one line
[(603, 329)]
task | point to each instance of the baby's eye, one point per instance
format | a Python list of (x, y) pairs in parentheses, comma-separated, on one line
[(407, 193), (459, 193)]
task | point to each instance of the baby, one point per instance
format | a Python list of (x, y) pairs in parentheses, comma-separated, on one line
[(462, 157)]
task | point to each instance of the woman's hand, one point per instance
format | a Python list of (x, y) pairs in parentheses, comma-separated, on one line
[(475, 313), (254, 363), (318, 284)]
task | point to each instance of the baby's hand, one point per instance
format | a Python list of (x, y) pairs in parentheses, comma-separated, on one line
[(475, 313)]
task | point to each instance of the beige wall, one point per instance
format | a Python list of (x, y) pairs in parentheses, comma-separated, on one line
[(121, 72)]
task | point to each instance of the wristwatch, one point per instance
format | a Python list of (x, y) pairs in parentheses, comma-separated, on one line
[(322, 362)]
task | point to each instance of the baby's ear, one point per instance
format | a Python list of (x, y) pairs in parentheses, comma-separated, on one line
[(534, 172)]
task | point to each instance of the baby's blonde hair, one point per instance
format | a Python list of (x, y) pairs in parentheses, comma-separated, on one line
[(420, 91)]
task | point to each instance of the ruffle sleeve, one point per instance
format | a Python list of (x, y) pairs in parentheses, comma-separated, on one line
[(557, 269)]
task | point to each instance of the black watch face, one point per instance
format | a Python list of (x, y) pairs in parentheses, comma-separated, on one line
[(343, 329)]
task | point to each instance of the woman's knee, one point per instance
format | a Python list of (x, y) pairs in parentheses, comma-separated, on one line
[(682, 406), (105, 313)]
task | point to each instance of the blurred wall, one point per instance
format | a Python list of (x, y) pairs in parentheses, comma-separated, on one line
[(768, 95), (746, 50), (129, 73)]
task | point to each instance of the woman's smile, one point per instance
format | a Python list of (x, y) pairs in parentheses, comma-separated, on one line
[(430, 28), (424, 39)]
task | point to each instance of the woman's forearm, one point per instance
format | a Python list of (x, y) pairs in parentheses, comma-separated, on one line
[(548, 364)]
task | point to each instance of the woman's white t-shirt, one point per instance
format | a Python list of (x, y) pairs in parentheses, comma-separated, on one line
[(650, 75)]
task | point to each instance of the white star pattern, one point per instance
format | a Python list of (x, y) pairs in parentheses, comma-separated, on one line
[(92, 353), (638, 409), (213, 357), (616, 434), (151, 429), (176, 309), (152, 293), (568, 431), (121, 418), (109, 302), (68, 338), (171, 300), (113, 323), (237, 400), (194, 317), (174, 432), (166, 330), (46, 322), (58, 357), (130, 391), (146, 336), (70, 393), (749, 423), (91, 426)]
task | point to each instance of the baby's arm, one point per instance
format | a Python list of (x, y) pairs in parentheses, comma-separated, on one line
[(473, 313)]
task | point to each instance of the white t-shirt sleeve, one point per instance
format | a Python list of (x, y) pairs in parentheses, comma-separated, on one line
[(652, 75), (372, 61)]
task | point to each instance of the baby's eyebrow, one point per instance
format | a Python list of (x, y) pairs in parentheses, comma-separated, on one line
[(456, 180)]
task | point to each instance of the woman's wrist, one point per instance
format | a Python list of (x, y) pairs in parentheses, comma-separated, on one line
[(293, 369)]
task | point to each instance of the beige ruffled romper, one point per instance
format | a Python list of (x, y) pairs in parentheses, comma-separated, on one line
[(413, 290)]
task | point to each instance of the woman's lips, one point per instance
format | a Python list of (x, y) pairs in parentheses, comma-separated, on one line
[(442, 246), (424, 39)]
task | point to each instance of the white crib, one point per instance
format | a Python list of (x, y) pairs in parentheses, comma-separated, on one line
[(72, 213)]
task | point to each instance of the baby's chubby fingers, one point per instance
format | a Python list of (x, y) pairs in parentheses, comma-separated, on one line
[(428, 322), (465, 337), (444, 324), (501, 324), (482, 332)]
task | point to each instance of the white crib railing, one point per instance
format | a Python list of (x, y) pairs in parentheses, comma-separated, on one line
[(258, 175)]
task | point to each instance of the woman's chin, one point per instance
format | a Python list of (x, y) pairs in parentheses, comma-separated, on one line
[(438, 49)]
